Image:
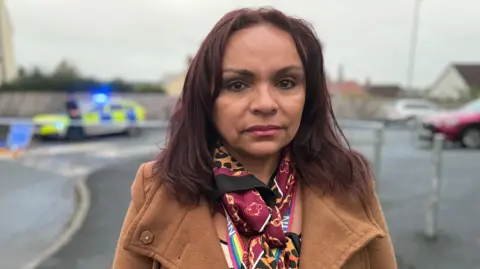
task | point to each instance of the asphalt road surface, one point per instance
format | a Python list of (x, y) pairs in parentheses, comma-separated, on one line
[(404, 185), (34, 206), (93, 246), (37, 196)]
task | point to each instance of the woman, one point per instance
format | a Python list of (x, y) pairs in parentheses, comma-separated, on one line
[(255, 173)]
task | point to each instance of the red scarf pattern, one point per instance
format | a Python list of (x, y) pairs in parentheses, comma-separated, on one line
[(253, 217)]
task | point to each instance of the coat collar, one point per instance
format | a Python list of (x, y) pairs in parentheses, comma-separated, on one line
[(177, 236)]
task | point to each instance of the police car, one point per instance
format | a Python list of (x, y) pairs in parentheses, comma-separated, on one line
[(100, 116)]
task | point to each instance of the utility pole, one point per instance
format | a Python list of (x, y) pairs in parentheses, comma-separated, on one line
[(412, 55)]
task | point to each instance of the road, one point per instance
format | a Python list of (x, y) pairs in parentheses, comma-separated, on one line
[(37, 196), (403, 188), (93, 246), (34, 206)]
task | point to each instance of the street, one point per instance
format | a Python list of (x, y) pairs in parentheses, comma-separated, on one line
[(34, 205), (37, 191), (93, 246), (404, 185)]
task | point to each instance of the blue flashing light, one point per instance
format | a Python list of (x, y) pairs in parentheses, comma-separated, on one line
[(59, 126), (100, 95), (100, 98)]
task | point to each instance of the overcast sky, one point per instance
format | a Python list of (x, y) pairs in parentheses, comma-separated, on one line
[(143, 40)]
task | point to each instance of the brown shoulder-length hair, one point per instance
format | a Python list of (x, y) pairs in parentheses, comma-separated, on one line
[(322, 157)]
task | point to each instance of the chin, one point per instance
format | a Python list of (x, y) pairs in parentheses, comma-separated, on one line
[(264, 148)]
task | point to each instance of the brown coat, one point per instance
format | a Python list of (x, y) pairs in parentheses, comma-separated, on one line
[(337, 233)]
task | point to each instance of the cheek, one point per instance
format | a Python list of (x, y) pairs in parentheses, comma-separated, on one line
[(295, 111), (224, 118)]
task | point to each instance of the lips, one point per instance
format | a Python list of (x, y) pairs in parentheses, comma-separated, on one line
[(263, 128), (264, 131)]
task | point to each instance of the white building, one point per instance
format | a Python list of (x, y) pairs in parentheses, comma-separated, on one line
[(8, 67), (456, 82)]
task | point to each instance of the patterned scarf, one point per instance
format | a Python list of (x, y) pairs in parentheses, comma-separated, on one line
[(256, 210)]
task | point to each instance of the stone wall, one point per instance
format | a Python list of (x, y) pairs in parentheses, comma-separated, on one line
[(25, 105), (362, 107)]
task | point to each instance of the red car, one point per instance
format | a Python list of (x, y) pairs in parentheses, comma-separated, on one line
[(461, 125)]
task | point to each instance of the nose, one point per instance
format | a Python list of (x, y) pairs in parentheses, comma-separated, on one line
[(264, 102)]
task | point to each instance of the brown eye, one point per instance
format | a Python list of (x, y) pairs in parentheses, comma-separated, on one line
[(237, 86), (286, 84)]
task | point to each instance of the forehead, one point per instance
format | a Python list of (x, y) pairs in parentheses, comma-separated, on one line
[(259, 48)]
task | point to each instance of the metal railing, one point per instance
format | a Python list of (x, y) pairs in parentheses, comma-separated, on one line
[(378, 129), (431, 221)]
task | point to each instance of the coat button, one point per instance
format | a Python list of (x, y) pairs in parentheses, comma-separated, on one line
[(146, 237)]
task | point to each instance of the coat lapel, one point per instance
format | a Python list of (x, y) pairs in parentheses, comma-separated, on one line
[(196, 243), (182, 237), (333, 229)]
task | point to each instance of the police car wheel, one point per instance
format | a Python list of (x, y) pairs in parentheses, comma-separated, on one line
[(133, 131), (75, 134)]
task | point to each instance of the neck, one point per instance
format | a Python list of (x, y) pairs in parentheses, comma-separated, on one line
[(261, 167)]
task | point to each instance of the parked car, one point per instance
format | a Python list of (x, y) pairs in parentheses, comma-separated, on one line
[(409, 111), (461, 125)]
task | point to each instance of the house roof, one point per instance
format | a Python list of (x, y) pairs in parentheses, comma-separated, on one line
[(385, 90), (346, 87), (470, 73)]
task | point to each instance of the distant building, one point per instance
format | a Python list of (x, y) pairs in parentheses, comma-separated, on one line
[(8, 68), (456, 82), (346, 88), (173, 83), (385, 90), (342, 86)]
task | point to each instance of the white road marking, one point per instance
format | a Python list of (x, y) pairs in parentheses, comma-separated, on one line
[(73, 171), (45, 160), (51, 165), (119, 152), (64, 149)]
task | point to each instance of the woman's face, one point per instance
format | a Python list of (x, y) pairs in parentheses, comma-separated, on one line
[(259, 108)]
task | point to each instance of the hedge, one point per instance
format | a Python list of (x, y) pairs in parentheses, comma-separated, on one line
[(59, 84)]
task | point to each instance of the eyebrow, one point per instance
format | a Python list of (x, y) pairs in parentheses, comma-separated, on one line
[(248, 73)]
